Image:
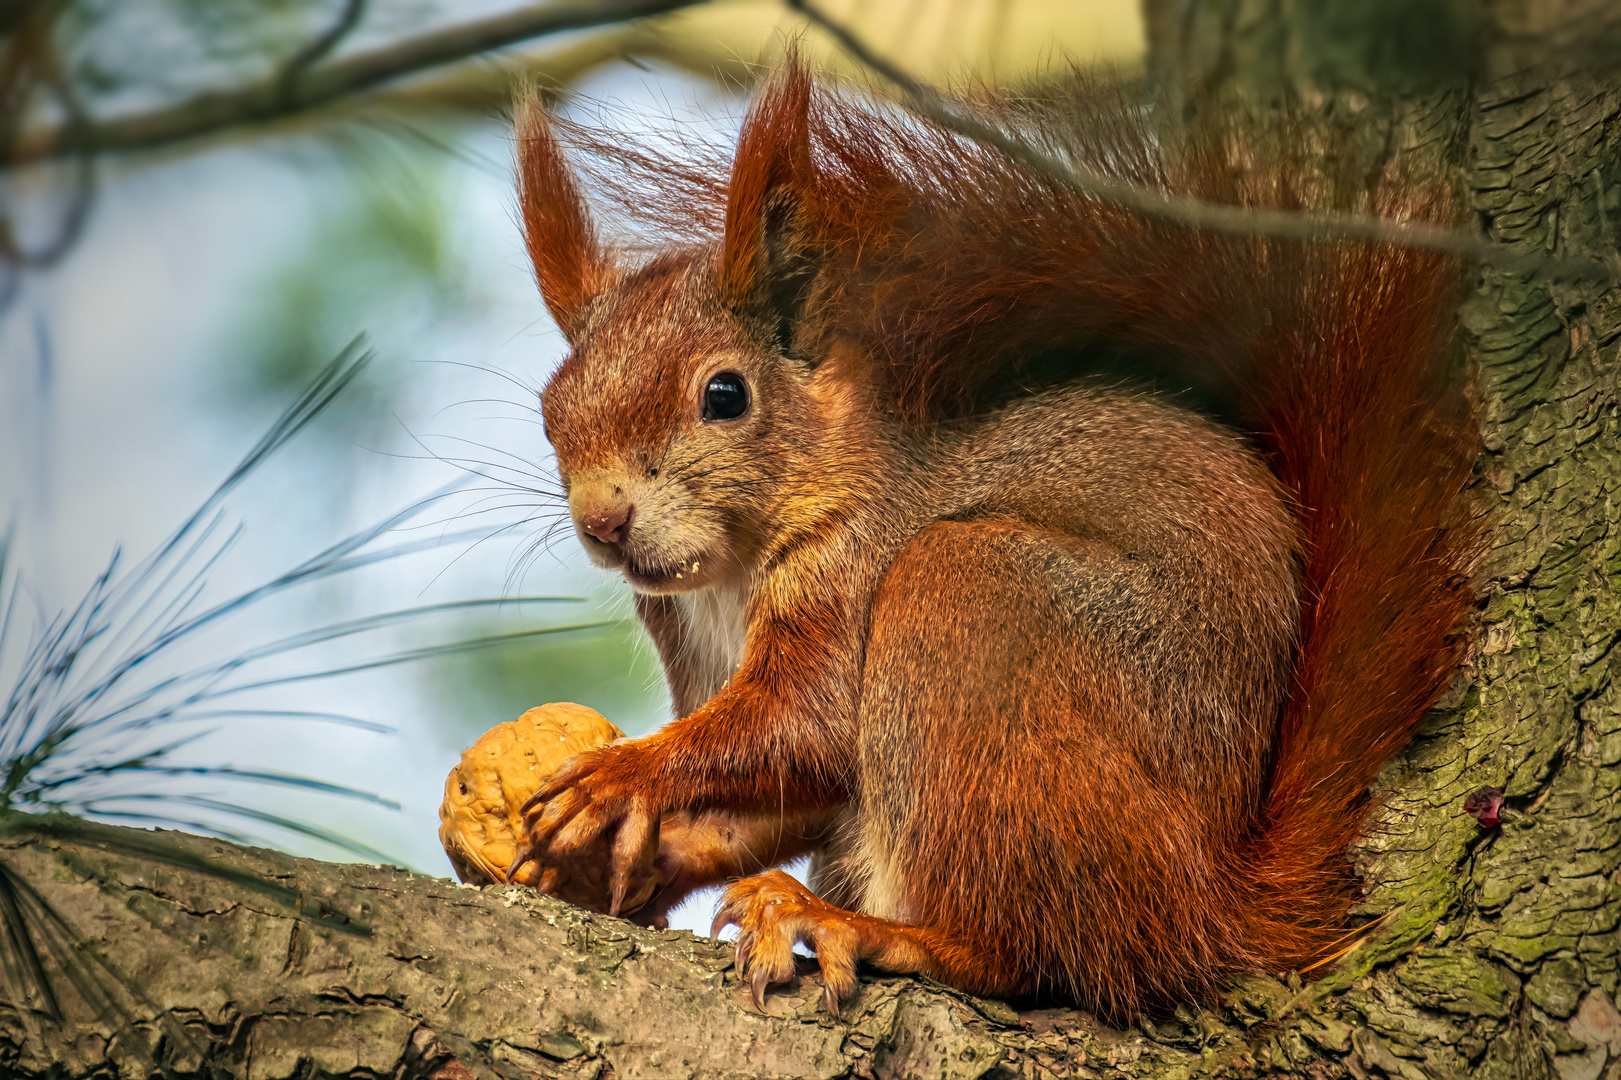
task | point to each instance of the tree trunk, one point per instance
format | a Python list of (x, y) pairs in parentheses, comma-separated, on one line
[(1498, 957), (1498, 952)]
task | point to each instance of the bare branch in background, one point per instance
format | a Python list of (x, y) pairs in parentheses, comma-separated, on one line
[(28, 65), (305, 86), (321, 46), (310, 81), (1195, 213)]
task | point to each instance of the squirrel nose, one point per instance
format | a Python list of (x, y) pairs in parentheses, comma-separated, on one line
[(609, 525)]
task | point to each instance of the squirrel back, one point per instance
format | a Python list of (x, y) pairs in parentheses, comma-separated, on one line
[(940, 278)]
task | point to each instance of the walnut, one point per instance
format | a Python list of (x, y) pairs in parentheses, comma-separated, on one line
[(481, 823)]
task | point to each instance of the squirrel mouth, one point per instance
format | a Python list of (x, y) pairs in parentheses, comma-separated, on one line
[(675, 576)]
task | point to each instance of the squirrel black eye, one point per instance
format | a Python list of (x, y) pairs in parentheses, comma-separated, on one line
[(726, 397)]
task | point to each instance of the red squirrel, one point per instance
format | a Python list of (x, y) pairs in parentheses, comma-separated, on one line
[(1066, 688)]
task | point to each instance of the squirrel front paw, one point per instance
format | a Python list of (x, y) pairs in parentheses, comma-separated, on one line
[(773, 912), (602, 794)]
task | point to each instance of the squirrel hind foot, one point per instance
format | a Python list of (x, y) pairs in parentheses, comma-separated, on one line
[(774, 912)]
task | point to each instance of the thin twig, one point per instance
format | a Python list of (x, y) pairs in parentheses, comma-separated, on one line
[(43, 70), (1195, 213), (321, 46), (328, 82)]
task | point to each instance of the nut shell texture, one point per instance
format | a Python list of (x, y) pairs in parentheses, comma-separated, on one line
[(480, 821)]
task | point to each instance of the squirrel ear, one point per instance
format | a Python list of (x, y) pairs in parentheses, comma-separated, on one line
[(570, 265), (767, 249)]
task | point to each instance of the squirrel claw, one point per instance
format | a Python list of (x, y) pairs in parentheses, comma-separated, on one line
[(773, 912), (723, 919), (745, 952), (757, 985)]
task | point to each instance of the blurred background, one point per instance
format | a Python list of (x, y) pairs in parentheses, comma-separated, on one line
[(203, 201)]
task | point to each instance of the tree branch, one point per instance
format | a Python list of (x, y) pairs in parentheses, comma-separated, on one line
[(322, 45), (313, 87), (1195, 213), (179, 971)]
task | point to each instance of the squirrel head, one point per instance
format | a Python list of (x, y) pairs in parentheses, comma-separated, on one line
[(692, 424)]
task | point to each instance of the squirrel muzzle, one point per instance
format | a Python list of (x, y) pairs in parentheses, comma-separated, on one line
[(636, 525)]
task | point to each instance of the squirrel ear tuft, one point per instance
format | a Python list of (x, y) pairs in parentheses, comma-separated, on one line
[(570, 265), (767, 244)]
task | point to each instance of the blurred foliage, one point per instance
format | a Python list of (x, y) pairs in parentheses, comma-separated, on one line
[(377, 258), (614, 670), (99, 700)]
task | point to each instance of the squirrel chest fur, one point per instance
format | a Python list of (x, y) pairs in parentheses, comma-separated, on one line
[(1069, 690)]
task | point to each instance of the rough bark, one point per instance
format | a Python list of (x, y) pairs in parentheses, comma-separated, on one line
[(455, 982), (1498, 952)]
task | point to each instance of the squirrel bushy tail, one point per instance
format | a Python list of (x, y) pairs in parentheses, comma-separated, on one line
[(1364, 421), (954, 274)]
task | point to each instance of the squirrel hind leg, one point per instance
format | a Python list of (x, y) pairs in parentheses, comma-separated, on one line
[(1003, 784), (773, 912)]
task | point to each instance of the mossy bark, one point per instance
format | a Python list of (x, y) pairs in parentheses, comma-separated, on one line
[(1498, 953)]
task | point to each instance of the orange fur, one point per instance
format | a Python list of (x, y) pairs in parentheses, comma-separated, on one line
[(569, 263), (1093, 686)]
